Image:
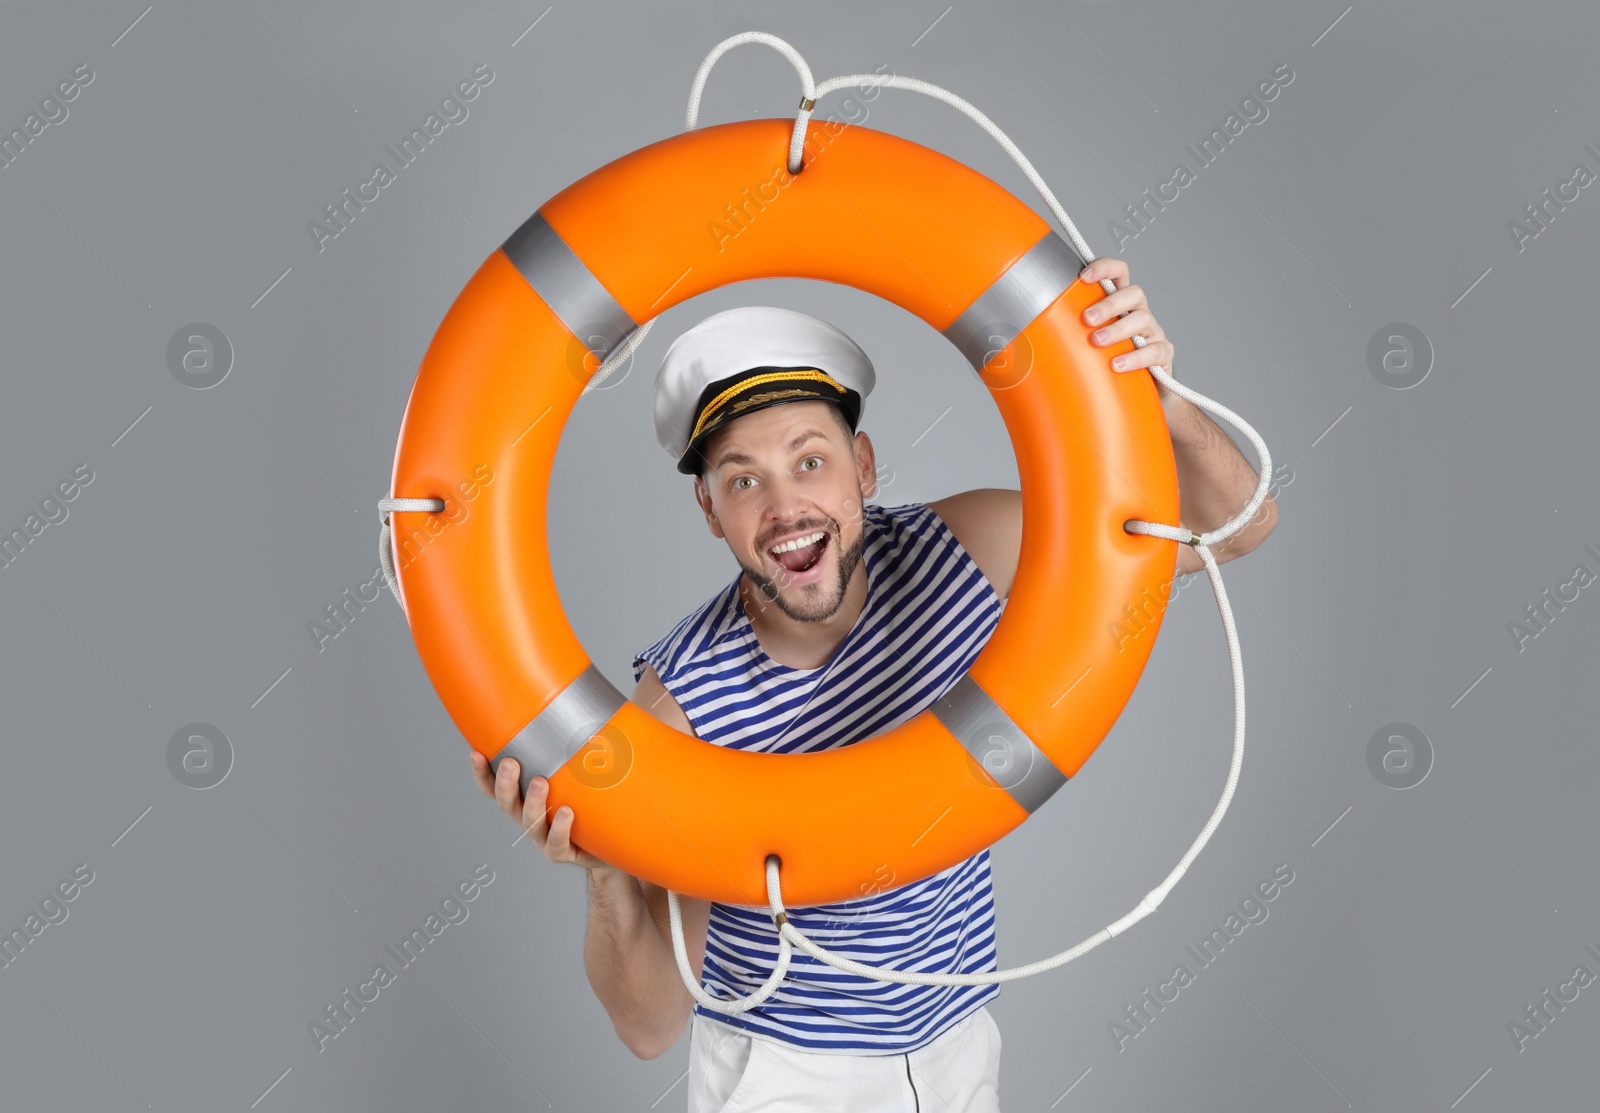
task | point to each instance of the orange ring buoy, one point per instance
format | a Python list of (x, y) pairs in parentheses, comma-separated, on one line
[(617, 248)]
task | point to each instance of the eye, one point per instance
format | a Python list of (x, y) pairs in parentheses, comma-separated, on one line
[(808, 460), (738, 479)]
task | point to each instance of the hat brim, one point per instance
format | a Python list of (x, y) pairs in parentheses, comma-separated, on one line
[(692, 462)]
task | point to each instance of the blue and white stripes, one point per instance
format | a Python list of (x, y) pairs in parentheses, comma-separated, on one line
[(929, 612)]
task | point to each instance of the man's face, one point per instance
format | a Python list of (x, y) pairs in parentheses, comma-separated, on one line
[(783, 474)]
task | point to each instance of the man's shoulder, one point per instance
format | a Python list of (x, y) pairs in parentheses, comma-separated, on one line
[(922, 520), (655, 697), (986, 524), (899, 516), (691, 632)]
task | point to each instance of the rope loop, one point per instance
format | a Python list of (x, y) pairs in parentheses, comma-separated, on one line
[(387, 506)]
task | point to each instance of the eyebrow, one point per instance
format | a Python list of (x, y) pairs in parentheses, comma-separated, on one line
[(736, 457)]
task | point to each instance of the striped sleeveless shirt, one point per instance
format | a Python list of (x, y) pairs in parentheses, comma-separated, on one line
[(929, 611)]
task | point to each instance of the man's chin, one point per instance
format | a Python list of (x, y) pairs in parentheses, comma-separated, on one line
[(810, 601), (807, 608)]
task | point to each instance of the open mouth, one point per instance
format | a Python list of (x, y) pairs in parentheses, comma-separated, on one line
[(801, 554)]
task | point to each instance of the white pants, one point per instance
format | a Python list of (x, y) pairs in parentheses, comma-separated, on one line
[(732, 1071)]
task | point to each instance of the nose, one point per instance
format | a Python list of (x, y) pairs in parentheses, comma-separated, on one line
[(788, 508)]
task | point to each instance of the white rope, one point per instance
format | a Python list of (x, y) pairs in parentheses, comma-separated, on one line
[(386, 549), (787, 933)]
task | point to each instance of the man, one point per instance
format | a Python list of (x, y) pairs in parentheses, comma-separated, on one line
[(847, 619)]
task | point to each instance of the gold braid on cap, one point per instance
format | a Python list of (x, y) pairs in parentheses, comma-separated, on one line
[(756, 380)]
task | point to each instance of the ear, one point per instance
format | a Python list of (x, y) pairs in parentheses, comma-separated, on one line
[(866, 466), (702, 495)]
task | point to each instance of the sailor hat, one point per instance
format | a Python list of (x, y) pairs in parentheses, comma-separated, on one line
[(746, 359)]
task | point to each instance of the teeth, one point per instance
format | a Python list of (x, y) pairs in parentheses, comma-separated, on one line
[(797, 543)]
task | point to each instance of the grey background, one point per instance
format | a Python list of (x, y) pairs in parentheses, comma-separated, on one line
[(1417, 524)]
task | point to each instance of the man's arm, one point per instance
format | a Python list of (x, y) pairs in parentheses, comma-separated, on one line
[(1214, 483), (988, 523), (627, 949)]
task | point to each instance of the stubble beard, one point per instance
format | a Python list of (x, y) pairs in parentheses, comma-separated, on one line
[(813, 605)]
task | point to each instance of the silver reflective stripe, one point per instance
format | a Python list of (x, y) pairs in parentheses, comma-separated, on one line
[(1019, 295), (567, 286), (561, 729), (996, 743)]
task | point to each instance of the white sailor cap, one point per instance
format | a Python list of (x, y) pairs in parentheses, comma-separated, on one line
[(749, 358)]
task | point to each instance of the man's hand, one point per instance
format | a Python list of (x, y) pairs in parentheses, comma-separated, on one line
[(554, 839), (1128, 300)]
